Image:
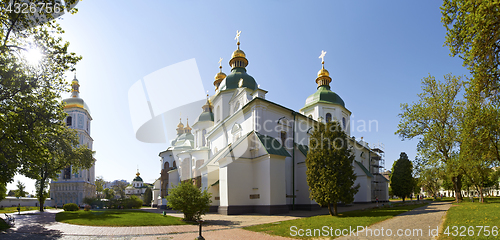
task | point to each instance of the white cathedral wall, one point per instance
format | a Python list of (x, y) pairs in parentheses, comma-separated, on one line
[(364, 191)]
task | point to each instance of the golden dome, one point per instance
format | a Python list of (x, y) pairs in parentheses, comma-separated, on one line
[(220, 76), (238, 53), (180, 125), (323, 73)]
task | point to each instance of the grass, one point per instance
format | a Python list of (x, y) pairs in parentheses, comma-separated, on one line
[(465, 216), (117, 218), (14, 209), (344, 220)]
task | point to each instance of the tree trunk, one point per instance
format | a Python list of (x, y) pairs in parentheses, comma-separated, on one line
[(403, 199), (457, 186), (330, 209), (335, 209), (41, 195), (481, 193)]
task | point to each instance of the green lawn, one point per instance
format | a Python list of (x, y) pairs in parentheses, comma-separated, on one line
[(346, 220), (117, 218), (473, 220), (14, 209)]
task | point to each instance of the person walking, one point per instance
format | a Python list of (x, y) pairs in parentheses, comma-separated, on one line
[(18, 208)]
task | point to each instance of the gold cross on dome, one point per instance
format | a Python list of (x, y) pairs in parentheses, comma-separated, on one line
[(237, 38), (220, 61), (322, 56)]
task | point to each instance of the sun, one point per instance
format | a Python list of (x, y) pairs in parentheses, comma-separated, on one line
[(33, 56)]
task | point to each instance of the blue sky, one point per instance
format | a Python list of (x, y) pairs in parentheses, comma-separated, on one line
[(377, 54)]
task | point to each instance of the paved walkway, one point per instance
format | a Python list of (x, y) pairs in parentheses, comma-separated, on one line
[(420, 223), (35, 225)]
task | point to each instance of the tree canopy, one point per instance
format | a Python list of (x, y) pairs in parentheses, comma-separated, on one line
[(34, 139), (435, 120), (330, 171), (472, 34), (189, 199), (402, 182)]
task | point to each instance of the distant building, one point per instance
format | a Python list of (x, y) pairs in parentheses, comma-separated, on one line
[(69, 186), (138, 187)]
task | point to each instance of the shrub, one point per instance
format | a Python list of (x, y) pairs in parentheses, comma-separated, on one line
[(86, 208), (71, 207), (190, 200)]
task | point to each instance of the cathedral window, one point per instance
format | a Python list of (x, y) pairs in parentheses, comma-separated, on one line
[(69, 120), (343, 123), (283, 138), (328, 117)]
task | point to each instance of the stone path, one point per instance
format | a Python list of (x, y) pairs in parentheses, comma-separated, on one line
[(34, 225), (420, 223)]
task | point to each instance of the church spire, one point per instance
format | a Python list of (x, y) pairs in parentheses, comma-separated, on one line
[(187, 129), (238, 59), (75, 87), (180, 127), (219, 76), (323, 78)]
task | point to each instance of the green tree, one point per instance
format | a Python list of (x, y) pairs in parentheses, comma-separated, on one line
[(330, 174), (99, 184), (148, 196), (109, 193), (3, 191), (29, 99), (436, 119), (12, 193), (119, 188), (402, 182), (20, 189), (189, 199), (473, 28), (430, 180)]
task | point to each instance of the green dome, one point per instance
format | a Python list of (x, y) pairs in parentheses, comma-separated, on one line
[(324, 95), (206, 116), (138, 179), (238, 78)]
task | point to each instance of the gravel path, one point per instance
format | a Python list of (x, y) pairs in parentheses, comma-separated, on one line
[(420, 223)]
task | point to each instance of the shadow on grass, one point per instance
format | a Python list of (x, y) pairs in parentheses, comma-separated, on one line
[(387, 211)]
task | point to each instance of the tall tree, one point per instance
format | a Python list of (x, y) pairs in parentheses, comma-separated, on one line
[(330, 173), (29, 99), (402, 182), (20, 189), (430, 180), (99, 184), (436, 119), (473, 28), (109, 193), (3, 191), (119, 188), (148, 196)]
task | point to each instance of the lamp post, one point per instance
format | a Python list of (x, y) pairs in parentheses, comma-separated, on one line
[(200, 237)]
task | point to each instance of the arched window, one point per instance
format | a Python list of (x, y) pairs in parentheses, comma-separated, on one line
[(174, 165), (328, 117), (343, 123), (166, 166), (69, 120), (283, 138)]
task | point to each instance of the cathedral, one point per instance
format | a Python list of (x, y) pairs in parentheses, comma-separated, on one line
[(250, 152), (71, 187)]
